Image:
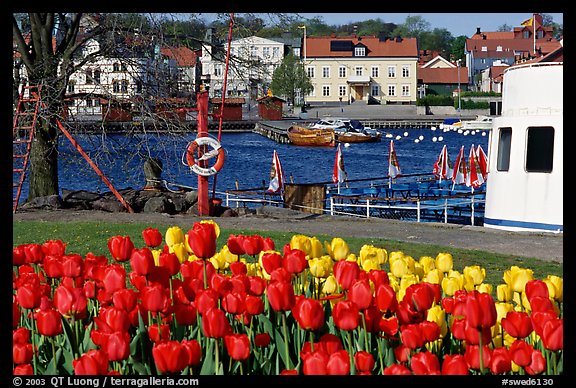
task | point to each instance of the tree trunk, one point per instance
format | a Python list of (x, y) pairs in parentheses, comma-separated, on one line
[(43, 167)]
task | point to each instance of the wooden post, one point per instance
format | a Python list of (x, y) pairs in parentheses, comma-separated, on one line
[(203, 204)]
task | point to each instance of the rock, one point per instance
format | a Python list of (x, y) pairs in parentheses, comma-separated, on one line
[(152, 173), (229, 212), (108, 205), (48, 202), (159, 205)]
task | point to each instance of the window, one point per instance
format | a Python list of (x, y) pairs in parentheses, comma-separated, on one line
[(116, 86), (116, 67), (275, 52), (266, 52), (504, 144), (89, 79), (218, 70), (311, 71), (359, 70), (123, 67), (392, 90), (342, 90), (342, 72), (391, 71), (484, 48), (89, 103), (406, 71), (375, 90), (525, 34), (124, 86), (405, 90), (375, 71), (71, 86), (326, 91), (253, 51), (498, 48), (325, 72), (138, 86), (97, 76), (540, 149), (359, 51)]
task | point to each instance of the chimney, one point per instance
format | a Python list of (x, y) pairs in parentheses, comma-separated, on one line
[(477, 30)]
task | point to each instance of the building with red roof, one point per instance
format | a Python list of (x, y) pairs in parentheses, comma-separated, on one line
[(361, 68)]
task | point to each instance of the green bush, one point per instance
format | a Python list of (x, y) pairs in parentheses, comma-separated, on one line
[(435, 100), (469, 104)]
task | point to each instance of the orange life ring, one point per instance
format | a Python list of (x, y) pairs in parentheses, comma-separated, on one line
[(217, 150)]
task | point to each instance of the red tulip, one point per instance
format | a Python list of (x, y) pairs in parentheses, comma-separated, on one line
[(425, 363), (215, 324), (280, 295), (111, 319), (517, 324), (262, 340), (385, 298), (539, 319), (364, 361), (169, 261), (257, 285), (34, 253), (18, 255), (238, 346), (315, 363), (537, 363), (360, 293), (389, 326), (21, 370), (202, 240), (480, 310), (402, 353), (338, 363), (185, 314), (420, 295), (120, 247), (541, 303), (454, 364), (154, 298), (254, 305), (142, 261), (309, 313), (430, 331), (253, 245), (125, 299), (49, 322), (206, 299), (152, 237), (346, 314), (194, 351), (500, 362), (346, 272), (159, 334), (412, 336), (553, 334), (472, 356), (54, 247), (235, 244), (114, 278), (28, 296), (234, 302), (268, 244), (93, 362), (117, 346), (170, 357), (295, 261), (536, 288), (22, 353), (521, 353), (271, 261), (289, 372), (397, 370), (21, 336), (71, 302)]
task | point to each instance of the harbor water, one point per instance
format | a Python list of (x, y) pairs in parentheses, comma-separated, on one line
[(248, 158)]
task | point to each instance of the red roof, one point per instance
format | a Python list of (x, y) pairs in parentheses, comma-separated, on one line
[(441, 75), (343, 46), (184, 56)]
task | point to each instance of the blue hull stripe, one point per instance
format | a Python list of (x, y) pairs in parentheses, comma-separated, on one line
[(524, 225)]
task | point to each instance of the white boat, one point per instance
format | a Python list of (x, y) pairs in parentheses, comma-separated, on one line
[(524, 191), (480, 123), (339, 124)]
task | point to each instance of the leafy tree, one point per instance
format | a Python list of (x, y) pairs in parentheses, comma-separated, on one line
[(290, 77), (505, 28)]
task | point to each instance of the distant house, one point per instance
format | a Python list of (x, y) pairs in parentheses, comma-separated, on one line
[(531, 40), (492, 78), (187, 70), (359, 68), (440, 77)]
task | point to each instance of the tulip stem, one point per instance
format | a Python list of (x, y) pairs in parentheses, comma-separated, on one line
[(287, 354), (54, 355), (217, 356), (350, 353), (480, 352), (32, 336), (365, 332)]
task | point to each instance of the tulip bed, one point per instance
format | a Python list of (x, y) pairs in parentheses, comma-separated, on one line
[(181, 305)]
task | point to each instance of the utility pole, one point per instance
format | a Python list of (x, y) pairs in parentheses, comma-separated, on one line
[(459, 91)]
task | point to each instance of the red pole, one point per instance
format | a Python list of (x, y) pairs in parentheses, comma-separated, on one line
[(203, 205)]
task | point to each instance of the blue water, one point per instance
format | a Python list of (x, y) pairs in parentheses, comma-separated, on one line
[(248, 159)]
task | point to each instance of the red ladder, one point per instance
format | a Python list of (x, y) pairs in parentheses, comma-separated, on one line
[(24, 127)]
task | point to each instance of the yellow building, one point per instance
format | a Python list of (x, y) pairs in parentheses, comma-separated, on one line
[(355, 68)]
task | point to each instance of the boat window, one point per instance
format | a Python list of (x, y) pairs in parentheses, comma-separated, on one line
[(540, 149), (504, 142)]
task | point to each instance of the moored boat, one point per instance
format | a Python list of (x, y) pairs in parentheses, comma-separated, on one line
[(303, 136), (480, 123), (358, 137)]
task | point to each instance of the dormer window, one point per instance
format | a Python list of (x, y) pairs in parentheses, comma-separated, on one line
[(359, 51), (498, 48)]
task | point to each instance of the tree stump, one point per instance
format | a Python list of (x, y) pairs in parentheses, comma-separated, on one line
[(152, 174)]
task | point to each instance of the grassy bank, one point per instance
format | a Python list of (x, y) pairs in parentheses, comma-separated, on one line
[(84, 237)]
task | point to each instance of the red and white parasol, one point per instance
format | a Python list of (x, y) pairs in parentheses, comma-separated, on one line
[(339, 173), (474, 178), (460, 172), (482, 162), (393, 165), (442, 168), (276, 175)]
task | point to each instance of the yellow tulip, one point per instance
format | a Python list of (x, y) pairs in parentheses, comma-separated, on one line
[(418, 270), (180, 251), (265, 274), (372, 253), (437, 314), (320, 267), (408, 280), (504, 293), (453, 282), (394, 283), (216, 227), (338, 249), (316, 248), (174, 235), (156, 255), (474, 274), (399, 267), (434, 276), (252, 269), (228, 256), (395, 255), (330, 286), (352, 257), (485, 288), (444, 262), (299, 241), (428, 263), (555, 286), (517, 278), (219, 261), (370, 264), (502, 308)]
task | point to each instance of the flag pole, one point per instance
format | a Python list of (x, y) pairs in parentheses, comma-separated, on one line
[(534, 31)]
